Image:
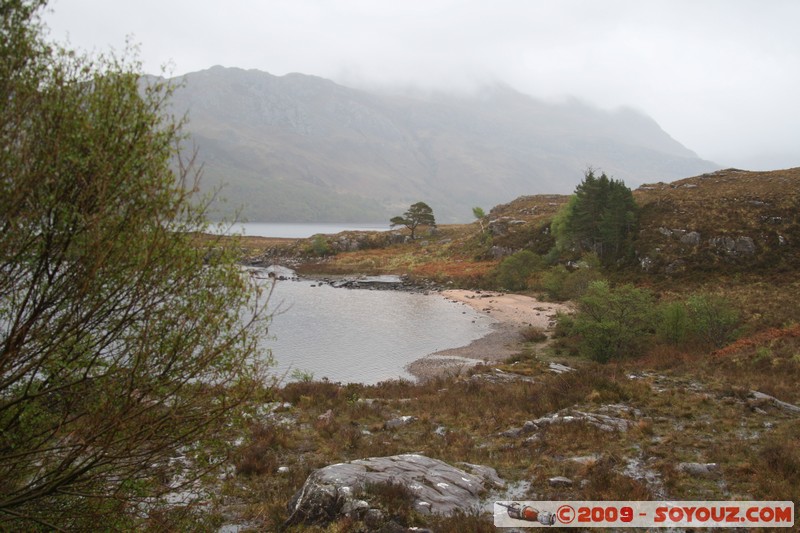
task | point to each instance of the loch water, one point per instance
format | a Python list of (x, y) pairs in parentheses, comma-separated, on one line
[(360, 335), (287, 230)]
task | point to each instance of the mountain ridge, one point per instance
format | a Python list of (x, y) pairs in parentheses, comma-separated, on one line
[(301, 148)]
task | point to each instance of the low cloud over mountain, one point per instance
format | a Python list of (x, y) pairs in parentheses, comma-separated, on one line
[(300, 148)]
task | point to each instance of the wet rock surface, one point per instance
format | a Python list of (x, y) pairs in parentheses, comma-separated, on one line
[(437, 487), (784, 406), (698, 469), (611, 417)]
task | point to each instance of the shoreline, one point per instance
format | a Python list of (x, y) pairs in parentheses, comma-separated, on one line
[(513, 313)]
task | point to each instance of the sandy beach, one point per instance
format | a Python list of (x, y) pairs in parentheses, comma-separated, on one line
[(513, 312)]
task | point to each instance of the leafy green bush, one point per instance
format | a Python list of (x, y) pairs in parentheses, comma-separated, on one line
[(674, 322), (713, 319), (515, 270), (565, 325), (562, 284), (552, 282), (319, 246), (704, 319), (614, 322)]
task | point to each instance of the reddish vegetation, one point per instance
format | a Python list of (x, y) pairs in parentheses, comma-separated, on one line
[(758, 339), (462, 271)]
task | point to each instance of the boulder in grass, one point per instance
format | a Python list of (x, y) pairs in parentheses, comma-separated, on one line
[(435, 485)]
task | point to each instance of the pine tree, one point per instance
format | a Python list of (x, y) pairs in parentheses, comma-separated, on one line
[(419, 214), (601, 217)]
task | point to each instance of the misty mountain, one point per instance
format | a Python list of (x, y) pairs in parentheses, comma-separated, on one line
[(300, 148)]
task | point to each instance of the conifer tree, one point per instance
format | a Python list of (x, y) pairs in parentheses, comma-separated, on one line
[(601, 217), (419, 214)]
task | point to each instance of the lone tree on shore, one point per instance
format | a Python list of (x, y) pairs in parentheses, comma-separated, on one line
[(122, 339), (419, 214)]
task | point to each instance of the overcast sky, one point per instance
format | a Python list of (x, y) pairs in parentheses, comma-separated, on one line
[(720, 76)]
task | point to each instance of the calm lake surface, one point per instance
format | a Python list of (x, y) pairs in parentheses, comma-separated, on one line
[(363, 336), (300, 231)]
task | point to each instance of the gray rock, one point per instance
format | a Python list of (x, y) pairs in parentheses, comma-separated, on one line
[(498, 227), (498, 252), (698, 469), (355, 508), (692, 238), (487, 473), (607, 418), (423, 508), (326, 418), (560, 481), (788, 407), (739, 246), (724, 244), (679, 265), (498, 376), (399, 422), (559, 368), (445, 488), (638, 469), (586, 459), (745, 246), (374, 518)]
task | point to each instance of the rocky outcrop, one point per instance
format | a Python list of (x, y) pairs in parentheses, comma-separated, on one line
[(784, 406), (437, 487), (728, 245), (607, 418), (698, 469)]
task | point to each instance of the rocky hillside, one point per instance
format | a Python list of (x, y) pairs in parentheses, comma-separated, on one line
[(302, 148), (729, 220), (725, 221)]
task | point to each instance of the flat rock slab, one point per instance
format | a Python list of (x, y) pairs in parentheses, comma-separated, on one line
[(437, 486), (788, 407), (607, 418), (699, 469)]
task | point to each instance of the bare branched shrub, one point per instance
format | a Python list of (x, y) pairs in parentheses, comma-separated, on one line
[(122, 343)]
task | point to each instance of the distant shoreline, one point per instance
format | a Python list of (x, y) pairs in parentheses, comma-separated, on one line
[(513, 312), (297, 230)]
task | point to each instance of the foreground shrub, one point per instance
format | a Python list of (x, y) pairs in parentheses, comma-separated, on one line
[(561, 284), (703, 319), (713, 319), (614, 322), (674, 323), (122, 344), (515, 270)]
